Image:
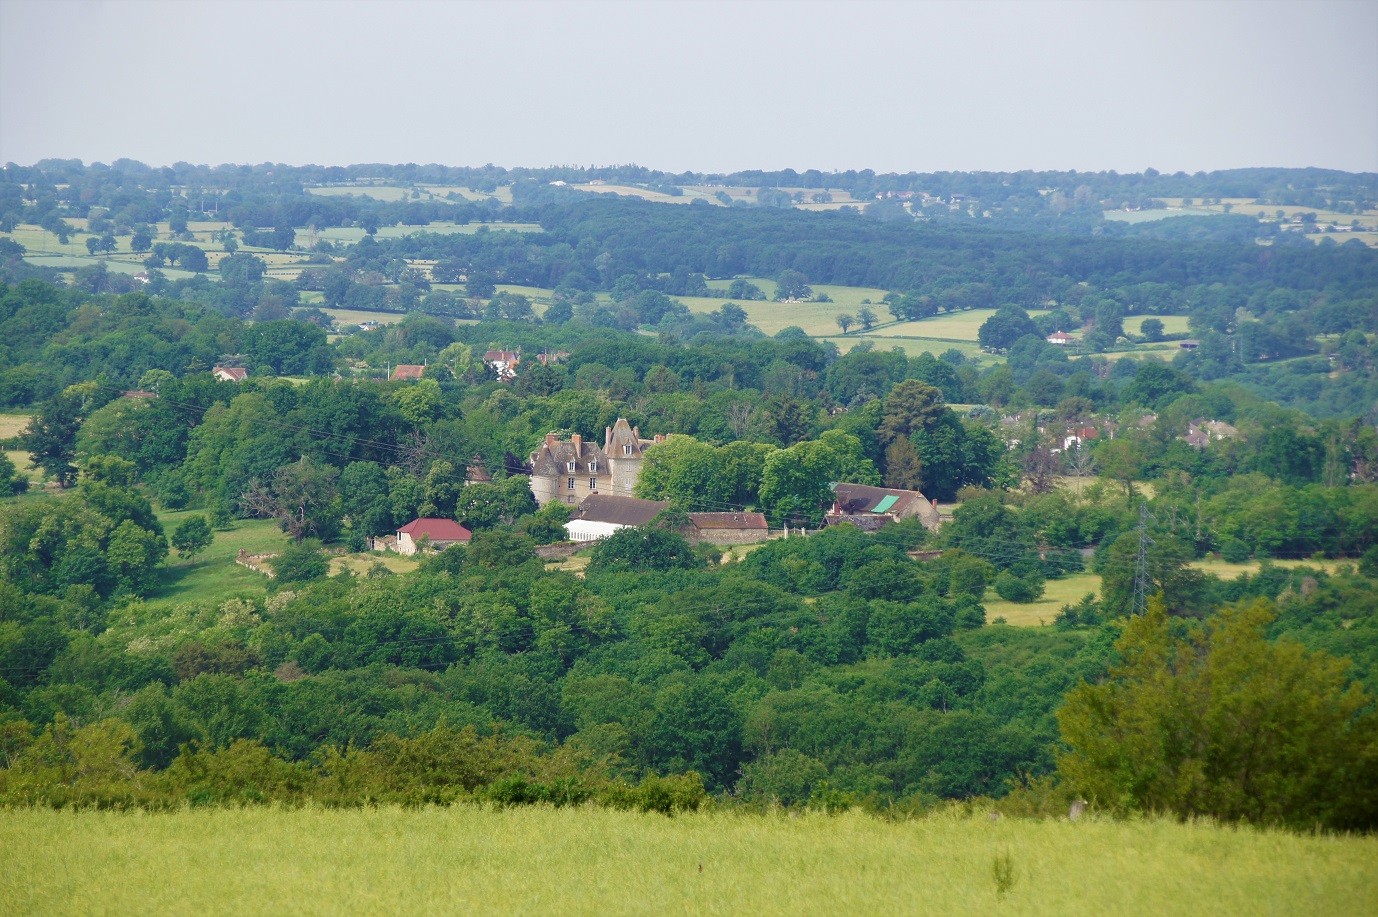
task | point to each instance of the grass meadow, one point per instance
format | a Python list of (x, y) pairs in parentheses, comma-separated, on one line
[(598, 861), (213, 577), (1070, 590)]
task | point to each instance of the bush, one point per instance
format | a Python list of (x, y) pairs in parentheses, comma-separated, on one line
[(1019, 589), (300, 562), (1234, 551)]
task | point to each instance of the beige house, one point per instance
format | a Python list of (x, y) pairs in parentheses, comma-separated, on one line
[(230, 373), (434, 534), (571, 470)]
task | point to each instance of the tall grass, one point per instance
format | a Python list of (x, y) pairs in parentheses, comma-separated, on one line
[(597, 861)]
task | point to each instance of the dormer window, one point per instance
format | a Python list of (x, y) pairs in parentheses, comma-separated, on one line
[(573, 466), (626, 448), (593, 467)]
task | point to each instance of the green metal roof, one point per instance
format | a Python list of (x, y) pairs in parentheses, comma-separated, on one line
[(885, 504)]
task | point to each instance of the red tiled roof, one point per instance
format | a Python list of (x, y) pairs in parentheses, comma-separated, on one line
[(238, 373), (435, 530), (408, 371)]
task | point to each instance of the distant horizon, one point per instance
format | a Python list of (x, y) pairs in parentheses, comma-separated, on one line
[(705, 172)]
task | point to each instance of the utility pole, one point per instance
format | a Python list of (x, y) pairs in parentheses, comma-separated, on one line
[(1141, 582)]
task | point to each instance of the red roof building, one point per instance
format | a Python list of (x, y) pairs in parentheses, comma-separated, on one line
[(230, 373), (437, 533), (407, 372)]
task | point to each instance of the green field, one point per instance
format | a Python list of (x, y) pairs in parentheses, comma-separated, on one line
[(213, 576), (465, 860), (1172, 324)]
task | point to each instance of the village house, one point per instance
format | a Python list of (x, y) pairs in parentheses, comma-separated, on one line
[(727, 528), (406, 372), (572, 470), (504, 363), (602, 514), (433, 534), (869, 508), (1201, 432), (1061, 338), (230, 373)]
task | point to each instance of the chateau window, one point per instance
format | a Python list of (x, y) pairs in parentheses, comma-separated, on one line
[(593, 467), (626, 448), (593, 483), (571, 483), (571, 466)]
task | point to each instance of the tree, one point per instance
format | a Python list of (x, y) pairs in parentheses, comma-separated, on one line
[(912, 406), (1007, 325), (300, 497), (792, 284), (903, 468), (51, 436), (142, 239), (300, 562), (845, 321), (744, 289), (192, 536), (642, 549), (867, 318), (1152, 329), (1220, 722)]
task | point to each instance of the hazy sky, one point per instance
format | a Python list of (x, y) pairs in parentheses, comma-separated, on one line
[(702, 86)]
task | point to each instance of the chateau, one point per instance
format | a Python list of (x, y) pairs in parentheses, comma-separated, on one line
[(570, 470)]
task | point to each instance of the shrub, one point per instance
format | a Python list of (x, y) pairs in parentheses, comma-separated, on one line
[(1020, 589)]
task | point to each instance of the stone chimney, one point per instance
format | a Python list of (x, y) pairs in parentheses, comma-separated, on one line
[(607, 438), (578, 442), (636, 431), (659, 437), (551, 441)]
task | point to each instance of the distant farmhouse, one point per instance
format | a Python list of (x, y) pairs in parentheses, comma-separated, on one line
[(407, 372), (229, 373), (504, 363), (727, 528), (430, 533), (869, 508), (572, 470)]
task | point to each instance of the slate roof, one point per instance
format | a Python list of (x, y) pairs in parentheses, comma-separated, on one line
[(619, 510)]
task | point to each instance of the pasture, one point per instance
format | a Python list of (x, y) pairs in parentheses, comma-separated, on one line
[(470, 859), (213, 576), (1172, 324), (361, 563)]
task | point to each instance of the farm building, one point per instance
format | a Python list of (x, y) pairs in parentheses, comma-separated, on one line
[(871, 507), (504, 363), (1061, 338), (601, 514), (436, 534), (727, 528), (407, 372), (230, 373)]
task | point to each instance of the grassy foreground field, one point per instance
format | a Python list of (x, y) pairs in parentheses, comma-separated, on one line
[(591, 861)]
